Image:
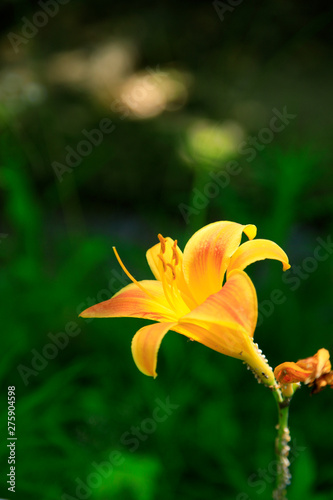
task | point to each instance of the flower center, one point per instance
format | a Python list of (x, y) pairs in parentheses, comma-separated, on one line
[(169, 271), (169, 260)]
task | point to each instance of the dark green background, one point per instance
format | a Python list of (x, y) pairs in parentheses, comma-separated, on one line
[(57, 237)]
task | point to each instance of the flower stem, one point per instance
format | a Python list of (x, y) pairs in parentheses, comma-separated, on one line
[(282, 447)]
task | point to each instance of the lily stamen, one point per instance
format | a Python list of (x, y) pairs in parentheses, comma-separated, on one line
[(163, 262), (173, 270), (175, 255), (162, 241), (168, 291), (130, 275)]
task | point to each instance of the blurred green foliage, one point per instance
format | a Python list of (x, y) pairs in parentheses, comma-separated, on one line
[(80, 403)]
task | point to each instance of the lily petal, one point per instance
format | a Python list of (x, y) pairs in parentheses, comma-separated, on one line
[(226, 321), (145, 345), (318, 364), (207, 254), (305, 370), (252, 251), (235, 306), (229, 339), (132, 301), (289, 373)]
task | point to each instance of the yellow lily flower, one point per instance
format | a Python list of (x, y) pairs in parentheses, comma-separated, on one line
[(187, 295), (313, 371)]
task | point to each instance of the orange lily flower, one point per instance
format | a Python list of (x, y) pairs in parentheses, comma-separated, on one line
[(313, 371), (187, 295)]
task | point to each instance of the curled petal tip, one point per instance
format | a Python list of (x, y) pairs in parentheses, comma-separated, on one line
[(145, 345), (286, 266), (252, 251), (310, 371), (250, 231)]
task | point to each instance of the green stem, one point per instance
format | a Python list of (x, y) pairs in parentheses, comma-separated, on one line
[(264, 373), (282, 447)]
